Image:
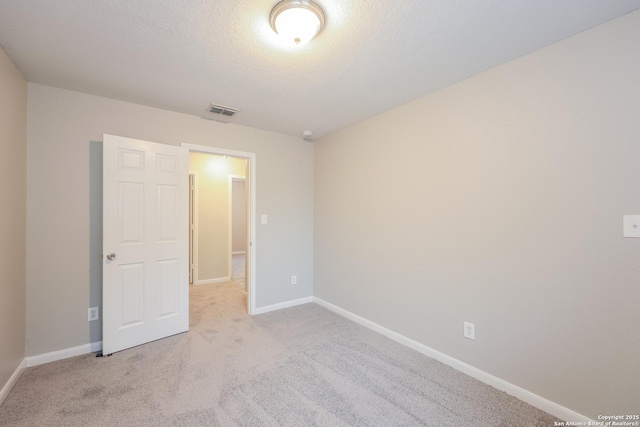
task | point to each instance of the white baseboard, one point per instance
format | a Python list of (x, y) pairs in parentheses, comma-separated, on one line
[(539, 402), (13, 379), (212, 281), (238, 253), (286, 304), (64, 354)]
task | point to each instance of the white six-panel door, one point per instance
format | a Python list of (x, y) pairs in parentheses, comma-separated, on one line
[(145, 233)]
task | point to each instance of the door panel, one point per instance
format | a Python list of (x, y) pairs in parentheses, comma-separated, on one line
[(168, 295), (145, 227), (131, 219), (167, 213), (131, 294)]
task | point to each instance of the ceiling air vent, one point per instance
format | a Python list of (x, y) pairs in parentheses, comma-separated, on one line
[(222, 110)]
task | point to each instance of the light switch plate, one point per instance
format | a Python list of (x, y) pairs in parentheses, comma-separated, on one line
[(263, 218), (631, 226)]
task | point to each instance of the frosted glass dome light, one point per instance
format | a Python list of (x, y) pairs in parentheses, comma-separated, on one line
[(297, 21)]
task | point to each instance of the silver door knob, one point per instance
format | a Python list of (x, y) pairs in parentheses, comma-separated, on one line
[(111, 256)]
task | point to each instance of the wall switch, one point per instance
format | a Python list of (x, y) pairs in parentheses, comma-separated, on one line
[(631, 226), (294, 280), (469, 330), (263, 218), (93, 314)]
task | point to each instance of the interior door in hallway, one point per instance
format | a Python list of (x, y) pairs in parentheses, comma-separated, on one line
[(145, 242)]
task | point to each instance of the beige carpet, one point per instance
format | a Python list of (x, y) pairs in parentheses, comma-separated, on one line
[(301, 366)]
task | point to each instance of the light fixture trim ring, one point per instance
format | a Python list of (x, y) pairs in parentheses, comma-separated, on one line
[(291, 4)]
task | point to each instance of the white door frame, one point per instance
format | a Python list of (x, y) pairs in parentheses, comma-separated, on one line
[(230, 216), (193, 236), (251, 223)]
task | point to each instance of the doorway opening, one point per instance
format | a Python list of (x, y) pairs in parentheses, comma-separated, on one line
[(221, 225), (237, 218)]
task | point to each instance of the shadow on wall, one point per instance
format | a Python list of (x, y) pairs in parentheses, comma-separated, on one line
[(95, 237)]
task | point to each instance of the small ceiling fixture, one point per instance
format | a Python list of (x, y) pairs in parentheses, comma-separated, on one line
[(297, 20)]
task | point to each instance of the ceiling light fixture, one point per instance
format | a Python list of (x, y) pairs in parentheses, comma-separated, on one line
[(297, 20)]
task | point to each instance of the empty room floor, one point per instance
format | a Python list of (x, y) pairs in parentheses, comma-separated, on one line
[(301, 366)]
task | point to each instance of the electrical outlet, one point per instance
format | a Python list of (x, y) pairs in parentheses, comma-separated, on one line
[(469, 330), (631, 226), (93, 314), (294, 280)]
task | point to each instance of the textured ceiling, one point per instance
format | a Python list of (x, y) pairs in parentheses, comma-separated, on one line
[(373, 55)]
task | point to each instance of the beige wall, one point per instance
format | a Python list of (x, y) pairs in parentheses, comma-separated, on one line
[(13, 190), (519, 178), (213, 174), (64, 266)]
